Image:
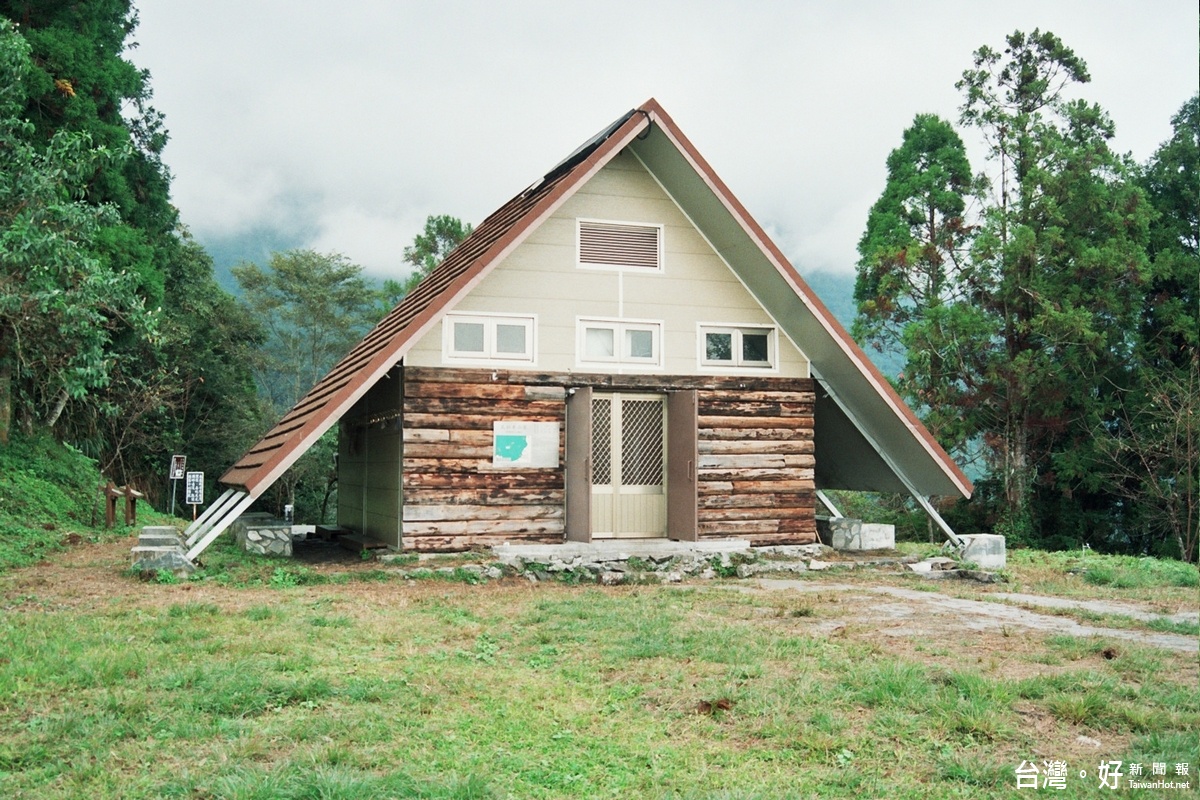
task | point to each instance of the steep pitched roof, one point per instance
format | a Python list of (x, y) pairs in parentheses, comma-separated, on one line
[(883, 434)]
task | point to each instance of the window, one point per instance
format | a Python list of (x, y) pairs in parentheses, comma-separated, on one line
[(737, 346), (488, 337), (609, 341), (620, 245)]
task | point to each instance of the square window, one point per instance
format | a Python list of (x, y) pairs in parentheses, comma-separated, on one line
[(755, 348), (469, 337), (640, 343), (510, 339), (718, 347), (617, 341), (598, 343)]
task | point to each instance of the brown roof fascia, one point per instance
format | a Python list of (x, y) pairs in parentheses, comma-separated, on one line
[(416, 314), (808, 296)]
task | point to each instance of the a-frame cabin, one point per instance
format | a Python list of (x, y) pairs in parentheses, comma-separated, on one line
[(618, 351)]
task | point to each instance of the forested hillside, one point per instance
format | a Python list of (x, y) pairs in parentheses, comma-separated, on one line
[(113, 335)]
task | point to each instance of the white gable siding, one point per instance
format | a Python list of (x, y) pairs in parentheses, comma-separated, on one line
[(542, 277)]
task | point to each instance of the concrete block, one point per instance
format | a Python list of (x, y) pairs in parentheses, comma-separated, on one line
[(854, 534), (985, 549), (152, 559)]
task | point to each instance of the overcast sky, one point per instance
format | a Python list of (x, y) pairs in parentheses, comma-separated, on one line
[(341, 125)]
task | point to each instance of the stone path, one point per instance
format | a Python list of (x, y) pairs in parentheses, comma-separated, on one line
[(1099, 606), (908, 612)]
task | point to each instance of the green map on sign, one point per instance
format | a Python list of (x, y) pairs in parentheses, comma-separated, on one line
[(510, 447)]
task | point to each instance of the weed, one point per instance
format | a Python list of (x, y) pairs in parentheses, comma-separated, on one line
[(283, 578), (638, 564), (484, 651), (723, 568), (166, 576)]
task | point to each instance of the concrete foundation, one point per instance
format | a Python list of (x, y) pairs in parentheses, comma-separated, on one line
[(854, 534), (985, 549), (622, 548)]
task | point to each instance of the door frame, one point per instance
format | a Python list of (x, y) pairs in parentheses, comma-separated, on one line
[(683, 458)]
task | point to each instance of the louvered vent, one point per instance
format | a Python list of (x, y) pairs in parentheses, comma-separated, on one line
[(613, 244)]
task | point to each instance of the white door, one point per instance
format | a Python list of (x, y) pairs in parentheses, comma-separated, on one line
[(629, 466)]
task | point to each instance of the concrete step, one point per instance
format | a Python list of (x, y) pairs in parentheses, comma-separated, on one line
[(153, 559), (145, 540)]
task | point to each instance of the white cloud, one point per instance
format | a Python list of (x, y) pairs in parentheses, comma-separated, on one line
[(349, 124)]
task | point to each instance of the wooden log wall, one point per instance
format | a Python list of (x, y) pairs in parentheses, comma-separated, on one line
[(754, 436), (454, 499), (756, 469)]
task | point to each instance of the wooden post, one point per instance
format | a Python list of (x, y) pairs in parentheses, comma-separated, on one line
[(111, 493), (132, 495)]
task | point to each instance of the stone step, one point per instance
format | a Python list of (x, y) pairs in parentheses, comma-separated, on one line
[(152, 559), (146, 540), (150, 551)]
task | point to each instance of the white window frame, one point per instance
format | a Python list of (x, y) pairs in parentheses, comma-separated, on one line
[(490, 321), (736, 362), (580, 222), (619, 326)]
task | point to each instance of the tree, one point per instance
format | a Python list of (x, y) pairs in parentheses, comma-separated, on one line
[(314, 308), (1057, 269), (909, 288), (1152, 459), (1171, 314), (59, 303), (1152, 445), (190, 390), (441, 235), (81, 81)]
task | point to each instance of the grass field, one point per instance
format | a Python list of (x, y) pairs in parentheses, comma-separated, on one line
[(271, 680)]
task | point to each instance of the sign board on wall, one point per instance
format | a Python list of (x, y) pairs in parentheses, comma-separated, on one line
[(524, 444)]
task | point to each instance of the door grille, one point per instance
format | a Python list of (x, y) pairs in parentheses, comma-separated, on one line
[(641, 442), (602, 440)]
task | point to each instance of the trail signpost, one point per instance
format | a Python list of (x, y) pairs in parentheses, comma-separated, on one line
[(178, 466), (194, 490)]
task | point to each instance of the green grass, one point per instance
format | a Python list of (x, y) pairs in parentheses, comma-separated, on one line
[(431, 690), (1076, 573)]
